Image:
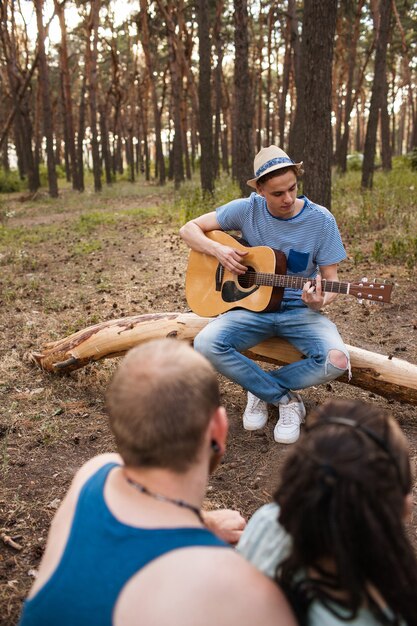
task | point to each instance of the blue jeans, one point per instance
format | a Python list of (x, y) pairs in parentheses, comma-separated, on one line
[(224, 338)]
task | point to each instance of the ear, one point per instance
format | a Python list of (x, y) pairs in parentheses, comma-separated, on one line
[(408, 508), (219, 427), (259, 190)]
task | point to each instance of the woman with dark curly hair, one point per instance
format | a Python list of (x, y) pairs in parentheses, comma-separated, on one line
[(335, 539)]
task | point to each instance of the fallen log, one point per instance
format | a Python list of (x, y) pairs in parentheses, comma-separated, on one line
[(389, 377)]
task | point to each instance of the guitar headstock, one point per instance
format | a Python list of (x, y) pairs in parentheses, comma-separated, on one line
[(371, 291)]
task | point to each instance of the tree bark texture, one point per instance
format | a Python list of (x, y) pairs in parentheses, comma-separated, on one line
[(377, 93), (352, 43), (46, 103), (386, 150), (319, 27), (91, 68), (105, 148), (67, 96), (218, 44), (297, 130), (407, 76), (389, 377), (81, 133), (204, 99), (242, 142), (145, 40), (285, 82), (176, 93)]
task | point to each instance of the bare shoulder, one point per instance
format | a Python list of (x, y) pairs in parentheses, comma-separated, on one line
[(93, 465), (60, 526), (65, 512), (200, 587)]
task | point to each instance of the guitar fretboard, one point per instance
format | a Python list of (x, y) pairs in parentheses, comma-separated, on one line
[(293, 282)]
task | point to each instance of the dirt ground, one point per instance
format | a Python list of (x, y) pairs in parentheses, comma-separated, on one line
[(62, 270)]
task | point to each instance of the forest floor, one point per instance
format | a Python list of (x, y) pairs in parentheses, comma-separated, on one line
[(73, 262)]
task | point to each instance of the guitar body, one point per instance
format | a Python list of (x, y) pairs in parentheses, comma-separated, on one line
[(210, 289)]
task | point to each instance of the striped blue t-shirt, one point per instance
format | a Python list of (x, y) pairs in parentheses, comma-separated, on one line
[(309, 240)]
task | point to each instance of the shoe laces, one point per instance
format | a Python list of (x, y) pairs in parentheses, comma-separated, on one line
[(253, 402), (289, 414)]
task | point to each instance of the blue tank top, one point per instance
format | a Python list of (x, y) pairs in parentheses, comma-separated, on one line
[(100, 556)]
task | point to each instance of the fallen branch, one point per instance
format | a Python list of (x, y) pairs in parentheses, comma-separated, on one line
[(385, 375), (10, 542)]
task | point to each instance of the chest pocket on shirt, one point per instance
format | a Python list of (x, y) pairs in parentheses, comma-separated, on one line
[(297, 261)]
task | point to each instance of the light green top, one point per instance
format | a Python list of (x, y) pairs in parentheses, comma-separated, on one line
[(266, 544)]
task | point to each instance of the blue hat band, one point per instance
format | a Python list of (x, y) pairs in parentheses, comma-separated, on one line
[(276, 161)]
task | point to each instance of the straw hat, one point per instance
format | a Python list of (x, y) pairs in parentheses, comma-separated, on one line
[(268, 160)]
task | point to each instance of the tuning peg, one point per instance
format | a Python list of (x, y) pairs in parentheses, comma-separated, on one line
[(364, 280), (360, 301)]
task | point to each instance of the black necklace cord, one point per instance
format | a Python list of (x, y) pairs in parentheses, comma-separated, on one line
[(158, 496)]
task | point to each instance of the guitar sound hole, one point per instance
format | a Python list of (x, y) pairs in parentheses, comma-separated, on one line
[(247, 280)]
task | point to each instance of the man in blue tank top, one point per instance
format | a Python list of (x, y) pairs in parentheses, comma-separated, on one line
[(309, 237), (129, 544)]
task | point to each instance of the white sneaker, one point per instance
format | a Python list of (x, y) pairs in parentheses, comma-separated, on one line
[(291, 415), (256, 413)]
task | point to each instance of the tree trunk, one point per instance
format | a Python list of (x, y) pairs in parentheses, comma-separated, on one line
[(18, 93), (282, 107), (184, 132), (386, 151), (19, 81), (46, 102), (143, 112), (81, 133), (67, 97), (377, 94), (91, 69), (258, 96), (105, 148), (218, 43), (407, 76), (160, 163), (242, 155), (389, 377), (297, 130), (67, 160), (130, 153), (227, 128), (176, 92), (207, 171), (353, 36), (319, 26), (5, 155)]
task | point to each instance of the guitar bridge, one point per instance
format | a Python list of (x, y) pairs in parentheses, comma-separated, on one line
[(219, 277)]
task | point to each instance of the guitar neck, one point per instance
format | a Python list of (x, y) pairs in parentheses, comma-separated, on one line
[(298, 282)]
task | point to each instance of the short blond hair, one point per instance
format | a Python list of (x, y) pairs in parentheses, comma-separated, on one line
[(160, 402)]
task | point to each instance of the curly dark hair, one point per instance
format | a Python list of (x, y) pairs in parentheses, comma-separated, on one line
[(342, 501)]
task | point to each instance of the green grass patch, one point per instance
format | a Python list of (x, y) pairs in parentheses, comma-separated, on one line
[(399, 249), (34, 235), (387, 212), (90, 221), (190, 201), (87, 247), (10, 181), (141, 212)]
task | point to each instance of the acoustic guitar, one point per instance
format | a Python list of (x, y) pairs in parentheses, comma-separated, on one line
[(210, 289)]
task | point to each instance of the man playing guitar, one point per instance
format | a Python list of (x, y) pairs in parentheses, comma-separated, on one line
[(309, 237)]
